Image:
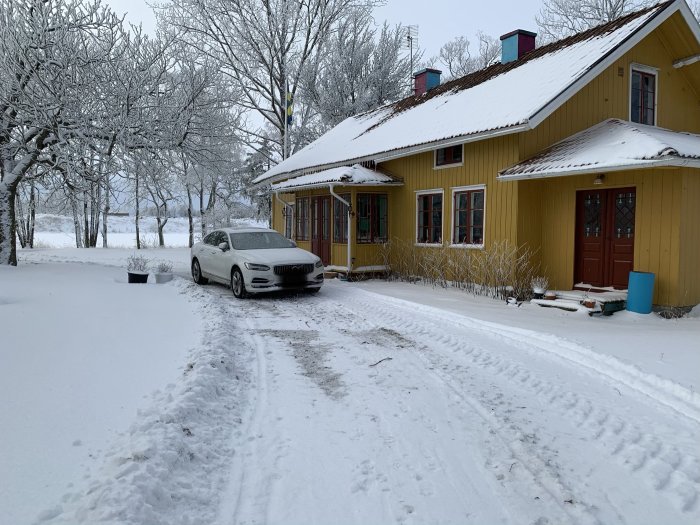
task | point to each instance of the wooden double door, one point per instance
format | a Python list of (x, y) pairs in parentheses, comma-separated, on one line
[(605, 222), (321, 228)]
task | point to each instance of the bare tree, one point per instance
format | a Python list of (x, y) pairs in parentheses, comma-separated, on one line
[(265, 47), (69, 75), (456, 57), (362, 67), (560, 18)]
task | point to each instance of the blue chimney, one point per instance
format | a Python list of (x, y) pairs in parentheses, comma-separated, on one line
[(516, 44)]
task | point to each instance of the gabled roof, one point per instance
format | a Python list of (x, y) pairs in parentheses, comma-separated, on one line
[(344, 176), (498, 100), (612, 145)]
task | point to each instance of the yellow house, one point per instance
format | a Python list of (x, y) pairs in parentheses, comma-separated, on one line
[(586, 149)]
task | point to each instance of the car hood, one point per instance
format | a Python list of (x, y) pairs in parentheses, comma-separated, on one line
[(278, 256)]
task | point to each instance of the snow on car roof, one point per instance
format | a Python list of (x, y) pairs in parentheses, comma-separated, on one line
[(249, 229), (502, 98), (612, 144)]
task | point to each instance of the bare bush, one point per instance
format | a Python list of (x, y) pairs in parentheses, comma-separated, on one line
[(137, 263), (502, 270)]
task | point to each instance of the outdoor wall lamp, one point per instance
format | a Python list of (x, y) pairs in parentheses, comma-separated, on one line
[(599, 179)]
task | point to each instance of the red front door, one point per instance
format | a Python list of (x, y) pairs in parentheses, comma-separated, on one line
[(604, 237), (321, 228)]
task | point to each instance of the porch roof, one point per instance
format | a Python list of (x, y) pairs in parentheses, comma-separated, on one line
[(612, 145), (354, 175)]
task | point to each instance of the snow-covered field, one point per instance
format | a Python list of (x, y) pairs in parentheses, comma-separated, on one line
[(57, 231), (372, 402)]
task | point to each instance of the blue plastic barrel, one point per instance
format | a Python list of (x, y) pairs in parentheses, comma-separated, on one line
[(640, 292)]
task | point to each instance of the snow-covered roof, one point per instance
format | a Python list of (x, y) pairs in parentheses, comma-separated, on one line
[(612, 145), (500, 99), (355, 175)]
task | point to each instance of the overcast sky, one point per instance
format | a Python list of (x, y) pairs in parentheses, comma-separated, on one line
[(438, 20)]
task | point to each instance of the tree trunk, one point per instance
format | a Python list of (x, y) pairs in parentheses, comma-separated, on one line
[(202, 213), (138, 237), (8, 226), (105, 214), (76, 220), (31, 219), (22, 233), (190, 221), (86, 224)]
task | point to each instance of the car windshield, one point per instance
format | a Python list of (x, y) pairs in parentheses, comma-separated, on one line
[(259, 241)]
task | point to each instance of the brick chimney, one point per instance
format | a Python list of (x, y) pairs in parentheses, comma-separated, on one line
[(516, 44), (425, 80)]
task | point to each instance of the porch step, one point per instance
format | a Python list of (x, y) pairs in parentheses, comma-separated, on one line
[(607, 302)]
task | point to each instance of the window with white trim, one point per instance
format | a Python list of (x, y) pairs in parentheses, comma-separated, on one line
[(643, 96), (468, 216), (429, 221)]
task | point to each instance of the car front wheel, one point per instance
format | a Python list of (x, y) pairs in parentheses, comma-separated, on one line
[(197, 273), (237, 284)]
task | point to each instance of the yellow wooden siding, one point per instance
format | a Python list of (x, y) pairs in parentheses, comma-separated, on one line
[(657, 241), (482, 161), (277, 213), (659, 247), (689, 285), (608, 96)]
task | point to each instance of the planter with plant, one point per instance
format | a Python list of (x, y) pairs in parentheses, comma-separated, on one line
[(137, 269), (539, 286), (164, 272)]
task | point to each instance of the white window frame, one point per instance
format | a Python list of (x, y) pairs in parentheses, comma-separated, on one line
[(460, 189), (649, 70), (454, 164), (435, 191)]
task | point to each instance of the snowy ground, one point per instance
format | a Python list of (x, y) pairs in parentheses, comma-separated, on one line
[(369, 403)]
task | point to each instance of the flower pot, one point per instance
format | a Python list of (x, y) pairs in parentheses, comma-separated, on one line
[(138, 277), (550, 296), (163, 277), (588, 303), (538, 293)]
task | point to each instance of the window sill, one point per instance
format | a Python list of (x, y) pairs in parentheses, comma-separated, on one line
[(467, 246), (428, 244), (444, 166)]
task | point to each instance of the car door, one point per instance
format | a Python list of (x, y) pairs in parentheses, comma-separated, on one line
[(205, 252), (220, 259)]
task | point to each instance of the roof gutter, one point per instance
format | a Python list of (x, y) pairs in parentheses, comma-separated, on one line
[(331, 188), (656, 163), (402, 152), (314, 186)]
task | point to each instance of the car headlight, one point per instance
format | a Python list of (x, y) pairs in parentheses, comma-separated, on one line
[(257, 267), (319, 264)]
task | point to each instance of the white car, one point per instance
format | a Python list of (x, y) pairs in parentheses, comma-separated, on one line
[(254, 260)]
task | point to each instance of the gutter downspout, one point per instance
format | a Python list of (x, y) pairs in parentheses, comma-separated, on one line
[(330, 188), (289, 208)]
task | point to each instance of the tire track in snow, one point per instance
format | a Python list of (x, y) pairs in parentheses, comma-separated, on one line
[(321, 313), (665, 468)]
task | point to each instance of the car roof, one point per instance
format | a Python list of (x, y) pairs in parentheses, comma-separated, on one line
[(249, 229)]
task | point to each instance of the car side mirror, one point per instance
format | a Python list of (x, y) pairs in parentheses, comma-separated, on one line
[(293, 243), (223, 246)]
